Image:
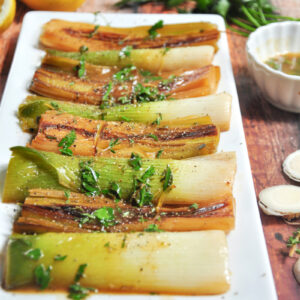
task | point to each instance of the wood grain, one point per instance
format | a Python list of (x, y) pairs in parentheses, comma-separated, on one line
[(271, 134)]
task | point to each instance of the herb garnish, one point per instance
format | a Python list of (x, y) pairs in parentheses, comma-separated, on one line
[(83, 49), (54, 105), (91, 34), (125, 52), (159, 153), (114, 191), (124, 74), (158, 119), (108, 89), (153, 136), (125, 119), (152, 31), (166, 50), (105, 215), (67, 194), (42, 276), (50, 137), (66, 142), (124, 241), (153, 228), (135, 161), (149, 76), (106, 245), (34, 254), (147, 93), (76, 291), (194, 206), (168, 178), (59, 257), (293, 241), (89, 179), (112, 143)]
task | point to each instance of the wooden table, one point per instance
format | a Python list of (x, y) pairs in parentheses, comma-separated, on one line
[(271, 133)]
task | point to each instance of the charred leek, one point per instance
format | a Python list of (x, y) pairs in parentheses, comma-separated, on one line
[(51, 210), (115, 261), (70, 36), (93, 137), (199, 180), (218, 107), (60, 78)]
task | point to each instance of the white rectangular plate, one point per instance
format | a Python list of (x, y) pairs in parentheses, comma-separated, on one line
[(249, 263)]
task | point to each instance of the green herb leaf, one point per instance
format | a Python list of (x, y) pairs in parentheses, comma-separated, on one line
[(83, 49), (108, 89), (194, 206), (34, 254), (153, 228), (147, 93), (78, 292), (159, 153), (125, 119), (66, 142), (89, 179), (148, 173), (166, 50), (152, 31), (54, 105), (91, 34), (124, 74), (124, 241), (80, 272), (59, 257), (67, 194), (158, 119), (153, 136), (106, 245), (168, 178), (125, 52), (42, 276), (80, 68), (135, 161), (112, 143), (105, 215)]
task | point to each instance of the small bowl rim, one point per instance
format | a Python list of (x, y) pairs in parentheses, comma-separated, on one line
[(262, 64)]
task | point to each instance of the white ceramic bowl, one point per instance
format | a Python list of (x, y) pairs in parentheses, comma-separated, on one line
[(280, 89)]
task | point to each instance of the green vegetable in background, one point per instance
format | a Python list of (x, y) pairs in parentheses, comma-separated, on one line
[(247, 15)]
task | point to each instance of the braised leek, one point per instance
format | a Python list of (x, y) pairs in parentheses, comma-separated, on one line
[(93, 137), (56, 211), (58, 77), (69, 36), (199, 180), (131, 262), (218, 107), (153, 60)]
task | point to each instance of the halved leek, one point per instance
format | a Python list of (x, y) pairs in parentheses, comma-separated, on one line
[(53, 211), (154, 60), (108, 86), (93, 137), (218, 107), (69, 36), (132, 262), (199, 180)]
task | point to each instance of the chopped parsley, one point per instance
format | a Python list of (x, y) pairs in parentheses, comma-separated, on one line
[(112, 143), (149, 76), (153, 228), (294, 239), (135, 161), (153, 136), (67, 142), (194, 206), (59, 257), (91, 34), (83, 49), (67, 194), (125, 52), (54, 105), (76, 291), (124, 241), (105, 215), (34, 254), (158, 119), (89, 179), (147, 93), (168, 178), (114, 191), (108, 89), (152, 31), (125, 119), (150, 171), (166, 50), (159, 153), (107, 245), (50, 137), (124, 74), (42, 276)]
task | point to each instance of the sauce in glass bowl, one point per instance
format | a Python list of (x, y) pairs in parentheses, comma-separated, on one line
[(288, 63)]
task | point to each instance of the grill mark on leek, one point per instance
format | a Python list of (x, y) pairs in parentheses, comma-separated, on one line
[(80, 131)]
